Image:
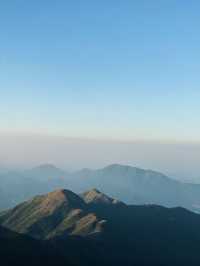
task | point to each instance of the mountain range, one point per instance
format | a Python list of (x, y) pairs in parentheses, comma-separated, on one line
[(94, 229), (125, 183)]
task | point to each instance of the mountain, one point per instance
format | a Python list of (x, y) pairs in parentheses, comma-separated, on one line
[(124, 183), (50, 215), (95, 196), (14, 188), (138, 186), (46, 171), (19, 186), (128, 235), (17, 249)]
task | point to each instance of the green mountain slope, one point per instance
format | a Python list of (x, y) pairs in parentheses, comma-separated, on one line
[(53, 214)]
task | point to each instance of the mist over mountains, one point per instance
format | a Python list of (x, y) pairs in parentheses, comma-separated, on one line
[(124, 183), (177, 159)]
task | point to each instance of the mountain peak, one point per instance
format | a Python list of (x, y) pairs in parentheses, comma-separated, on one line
[(95, 191), (59, 194), (118, 167), (63, 196), (61, 211), (46, 166), (48, 171), (114, 165), (95, 196)]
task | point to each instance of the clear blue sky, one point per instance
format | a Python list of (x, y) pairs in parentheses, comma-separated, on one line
[(101, 69)]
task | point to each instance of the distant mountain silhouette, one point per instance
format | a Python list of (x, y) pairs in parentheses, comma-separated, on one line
[(46, 171), (124, 183), (16, 187), (138, 186)]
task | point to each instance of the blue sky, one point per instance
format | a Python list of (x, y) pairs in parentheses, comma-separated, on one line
[(101, 69)]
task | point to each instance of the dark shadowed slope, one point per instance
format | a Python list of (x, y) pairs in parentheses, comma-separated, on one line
[(103, 233), (16, 249)]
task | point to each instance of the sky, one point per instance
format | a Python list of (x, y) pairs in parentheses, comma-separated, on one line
[(101, 69), (105, 73)]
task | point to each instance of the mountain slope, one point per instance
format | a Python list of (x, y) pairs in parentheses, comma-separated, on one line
[(138, 186), (21, 250), (46, 171), (94, 196), (125, 183), (56, 213), (19, 186), (128, 235)]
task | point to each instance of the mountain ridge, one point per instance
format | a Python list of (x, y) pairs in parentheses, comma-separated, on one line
[(106, 234), (125, 183), (49, 215)]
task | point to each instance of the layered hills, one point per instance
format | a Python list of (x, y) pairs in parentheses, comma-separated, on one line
[(87, 231), (124, 183)]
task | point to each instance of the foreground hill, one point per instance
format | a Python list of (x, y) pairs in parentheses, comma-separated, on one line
[(125, 183), (101, 232), (57, 213), (21, 250)]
